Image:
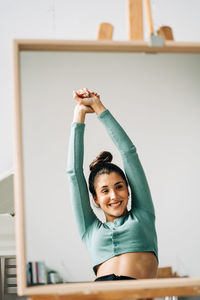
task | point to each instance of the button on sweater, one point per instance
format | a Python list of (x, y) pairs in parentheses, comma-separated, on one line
[(133, 232)]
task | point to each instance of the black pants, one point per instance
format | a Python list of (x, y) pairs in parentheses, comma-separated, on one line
[(113, 277)]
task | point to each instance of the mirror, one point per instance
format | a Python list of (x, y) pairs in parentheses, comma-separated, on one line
[(155, 97)]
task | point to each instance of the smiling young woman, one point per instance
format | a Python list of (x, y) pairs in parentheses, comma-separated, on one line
[(125, 246), (111, 195)]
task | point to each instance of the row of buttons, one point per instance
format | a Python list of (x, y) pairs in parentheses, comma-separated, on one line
[(115, 244)]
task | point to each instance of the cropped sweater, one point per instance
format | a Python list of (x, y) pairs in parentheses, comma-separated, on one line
[(133, 232)]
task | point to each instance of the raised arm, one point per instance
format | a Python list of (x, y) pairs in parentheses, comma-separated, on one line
[(78, 187), (140, 193)]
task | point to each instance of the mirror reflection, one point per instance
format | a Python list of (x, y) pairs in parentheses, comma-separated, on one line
[(134, 212), (125, 246)]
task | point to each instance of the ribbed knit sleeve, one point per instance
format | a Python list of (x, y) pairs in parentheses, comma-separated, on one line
[(140, 193), (78, 187)]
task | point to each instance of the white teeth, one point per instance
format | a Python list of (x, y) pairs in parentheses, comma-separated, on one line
[(116, 204)]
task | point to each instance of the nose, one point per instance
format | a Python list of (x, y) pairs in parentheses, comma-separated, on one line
[(113, 194)]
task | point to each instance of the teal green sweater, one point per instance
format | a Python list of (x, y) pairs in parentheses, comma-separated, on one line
[(133, 232)]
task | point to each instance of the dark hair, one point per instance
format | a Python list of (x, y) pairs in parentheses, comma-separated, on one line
[(102, 165)]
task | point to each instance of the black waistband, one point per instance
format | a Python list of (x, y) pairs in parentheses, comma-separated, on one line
[(113, 277)]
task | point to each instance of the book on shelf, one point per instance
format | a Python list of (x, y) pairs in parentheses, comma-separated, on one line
[(36, 272), (42, 272)]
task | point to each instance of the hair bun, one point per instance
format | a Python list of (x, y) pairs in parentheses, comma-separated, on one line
[(103, 157)]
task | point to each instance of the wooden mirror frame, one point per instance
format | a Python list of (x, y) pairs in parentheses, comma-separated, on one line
[(145, 288)]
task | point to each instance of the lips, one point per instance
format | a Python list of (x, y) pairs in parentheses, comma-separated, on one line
[(115, 204)]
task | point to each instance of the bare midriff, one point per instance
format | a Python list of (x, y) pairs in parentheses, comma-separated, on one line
[(139, 265)]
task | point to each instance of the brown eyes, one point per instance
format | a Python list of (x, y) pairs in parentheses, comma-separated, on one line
[(118, 187), (104, 191)]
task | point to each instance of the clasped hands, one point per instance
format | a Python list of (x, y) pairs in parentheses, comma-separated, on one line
[(86, 100)]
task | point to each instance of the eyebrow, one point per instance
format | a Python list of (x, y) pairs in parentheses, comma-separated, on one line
[(114, 184)]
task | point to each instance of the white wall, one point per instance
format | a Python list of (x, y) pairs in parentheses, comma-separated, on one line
[(79, 19)]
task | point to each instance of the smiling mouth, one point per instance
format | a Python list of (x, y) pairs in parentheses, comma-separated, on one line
[(116, 204)]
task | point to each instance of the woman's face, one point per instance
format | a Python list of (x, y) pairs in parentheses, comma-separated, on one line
[(111, 195)]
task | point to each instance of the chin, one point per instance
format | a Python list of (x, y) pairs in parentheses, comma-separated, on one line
[(120, 214)]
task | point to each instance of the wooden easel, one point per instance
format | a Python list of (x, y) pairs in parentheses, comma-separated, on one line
[(135, 24), (105, 32)]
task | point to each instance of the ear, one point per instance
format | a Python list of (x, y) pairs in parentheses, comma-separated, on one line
[(95, 199)]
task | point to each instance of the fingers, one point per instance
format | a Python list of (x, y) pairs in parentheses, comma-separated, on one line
[(76, 96), (84, 93), (95, 94), (81, 100)]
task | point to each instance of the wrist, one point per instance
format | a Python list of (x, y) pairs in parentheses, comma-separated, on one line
[(98, 107), (79, 114)]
